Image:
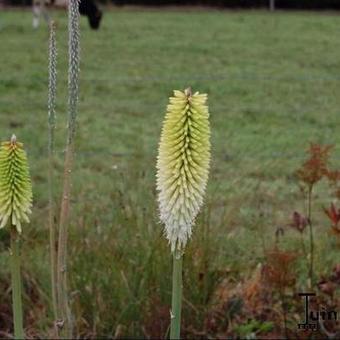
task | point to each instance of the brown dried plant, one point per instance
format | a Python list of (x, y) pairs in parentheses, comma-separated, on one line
[(310, 173), (279, 272), (334, 179), (279, 269), (299, 222), (333, 214), (316, 166)]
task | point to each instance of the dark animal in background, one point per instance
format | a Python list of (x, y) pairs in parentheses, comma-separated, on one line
[(93, 13), (86, 7)]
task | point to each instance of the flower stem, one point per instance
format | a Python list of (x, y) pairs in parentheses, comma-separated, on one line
[(16, 286), (63, 305), (176, 305), (51, 128), (65, 319), (311, 237)]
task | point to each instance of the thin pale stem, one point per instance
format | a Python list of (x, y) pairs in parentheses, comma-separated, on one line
[(176, 304), (65, 321), (311, 237), (51, 127), (63, 308), (53, 249), (16, 286)]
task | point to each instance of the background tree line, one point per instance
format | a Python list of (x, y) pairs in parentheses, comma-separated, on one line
[(293, 4), (279, 4)]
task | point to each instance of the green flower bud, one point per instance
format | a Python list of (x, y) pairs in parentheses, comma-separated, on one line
[(15, 184), (183, 164)]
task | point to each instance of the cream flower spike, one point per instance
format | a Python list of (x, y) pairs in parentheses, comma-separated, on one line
[(183, 165), (15, 184)]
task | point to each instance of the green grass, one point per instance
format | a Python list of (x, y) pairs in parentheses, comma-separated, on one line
[(273, 84)]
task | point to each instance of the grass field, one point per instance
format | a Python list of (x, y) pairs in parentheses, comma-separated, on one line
[(273, 83)]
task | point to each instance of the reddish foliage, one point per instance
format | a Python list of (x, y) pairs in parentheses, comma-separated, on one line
[(333, 214), (279, 270), (161, 313), (333, 175), (316, 167), (299, 222), (327, 287), (335, 276), (235, 305), (256, 293), (334, 178)]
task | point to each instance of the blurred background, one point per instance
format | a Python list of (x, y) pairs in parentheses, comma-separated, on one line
[(292, 4), (273, 83)]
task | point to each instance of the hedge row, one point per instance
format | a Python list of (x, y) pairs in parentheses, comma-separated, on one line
[(284, 4), (293, 4)]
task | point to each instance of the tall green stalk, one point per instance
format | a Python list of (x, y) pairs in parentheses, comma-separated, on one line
[(182, 174), (15, 206), (52, 87), (176, 303), (64, 313), (16, 285)]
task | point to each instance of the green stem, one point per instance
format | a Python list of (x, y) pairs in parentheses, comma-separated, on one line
[(62, 291), (52, 86), (16, 286), (176, 305), (65, 319), (53, 250), (311, 238)]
